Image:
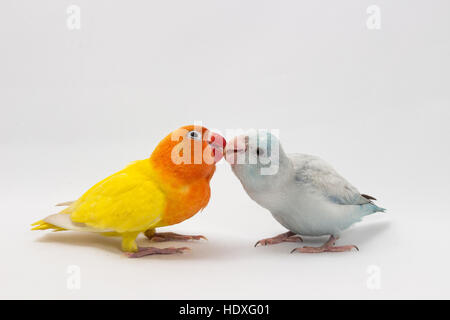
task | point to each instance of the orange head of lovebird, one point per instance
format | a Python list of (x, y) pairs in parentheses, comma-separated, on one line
[(189, 153)]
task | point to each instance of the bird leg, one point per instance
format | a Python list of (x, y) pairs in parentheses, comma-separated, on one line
[(147, 251), (129, 246), (169, 236), (284, 237), (326, 247)]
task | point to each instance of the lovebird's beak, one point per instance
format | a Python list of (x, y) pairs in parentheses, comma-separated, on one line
[(217, 143)]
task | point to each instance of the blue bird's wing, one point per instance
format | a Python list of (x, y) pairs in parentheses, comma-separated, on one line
[(318, 176)]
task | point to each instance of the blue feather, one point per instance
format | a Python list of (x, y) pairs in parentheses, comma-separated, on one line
[(370, 208)]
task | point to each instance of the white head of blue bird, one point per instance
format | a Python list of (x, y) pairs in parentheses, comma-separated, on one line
[(256, 157)]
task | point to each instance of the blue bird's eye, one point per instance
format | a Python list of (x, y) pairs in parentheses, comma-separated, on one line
[(259, 152)]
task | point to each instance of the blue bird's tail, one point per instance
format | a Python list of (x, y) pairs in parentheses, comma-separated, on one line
[(370, 208)]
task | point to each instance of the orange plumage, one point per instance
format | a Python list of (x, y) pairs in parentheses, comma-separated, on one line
[(183, 202)]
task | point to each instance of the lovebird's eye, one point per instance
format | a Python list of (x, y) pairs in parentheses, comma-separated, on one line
[(259, 152), (195, 135)]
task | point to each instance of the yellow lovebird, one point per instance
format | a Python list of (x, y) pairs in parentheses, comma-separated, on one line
[(168, 188)]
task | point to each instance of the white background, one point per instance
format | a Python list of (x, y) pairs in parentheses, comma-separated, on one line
[(78, 105)]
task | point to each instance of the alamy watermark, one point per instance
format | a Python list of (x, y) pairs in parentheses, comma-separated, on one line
[(373, 21), (73, 281), (73, 19), (374, 277), (258, 147)]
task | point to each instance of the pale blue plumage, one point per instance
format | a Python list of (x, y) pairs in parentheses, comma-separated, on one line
[(305, 194)]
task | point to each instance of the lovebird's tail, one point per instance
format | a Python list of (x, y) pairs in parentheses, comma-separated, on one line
[(42, 225), (62, 222), (45, 225)]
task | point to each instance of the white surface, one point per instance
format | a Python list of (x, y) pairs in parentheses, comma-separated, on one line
[(79, 105)]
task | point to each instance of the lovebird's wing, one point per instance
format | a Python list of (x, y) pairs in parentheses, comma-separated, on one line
[(124, 202), (318, 176)]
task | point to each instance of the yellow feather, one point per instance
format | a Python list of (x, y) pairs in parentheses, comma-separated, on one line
[(128, 202), (42, 225)]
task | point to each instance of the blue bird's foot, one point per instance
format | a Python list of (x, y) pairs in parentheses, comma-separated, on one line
[(284, 237), (327, 247)]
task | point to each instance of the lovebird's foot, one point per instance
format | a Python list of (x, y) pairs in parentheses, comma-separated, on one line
[(170, 236), (142, 252), (327, 247), (284, 237)]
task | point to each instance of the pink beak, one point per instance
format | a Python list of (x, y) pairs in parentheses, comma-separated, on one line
[(217, 143)]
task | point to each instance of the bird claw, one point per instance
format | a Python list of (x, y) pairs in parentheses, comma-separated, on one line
[(325, 249), (285, 237), (261, 242), (171, 236), (142, 252)]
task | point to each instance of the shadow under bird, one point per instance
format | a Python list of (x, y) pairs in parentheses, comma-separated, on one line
[(303, 192), (165, 189)]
